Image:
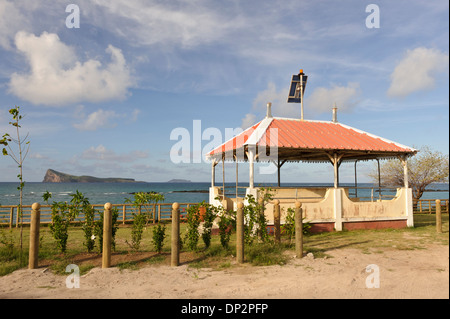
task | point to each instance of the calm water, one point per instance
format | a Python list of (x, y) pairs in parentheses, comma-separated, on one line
[(101, 193)]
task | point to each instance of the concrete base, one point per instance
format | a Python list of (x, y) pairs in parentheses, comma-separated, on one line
[(329, 227), (379, 224)]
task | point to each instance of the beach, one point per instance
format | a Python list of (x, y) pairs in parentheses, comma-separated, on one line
[(402, 274)]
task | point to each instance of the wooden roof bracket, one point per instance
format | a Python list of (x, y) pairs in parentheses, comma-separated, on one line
[(335, 158)]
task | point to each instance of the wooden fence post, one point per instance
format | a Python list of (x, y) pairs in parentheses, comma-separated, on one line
[(438, 216), (276, 220), (175, 254), (11, 217), (240, 233), (17, 216), (107, 234), (34, 236), (261, 205), (298, 229)]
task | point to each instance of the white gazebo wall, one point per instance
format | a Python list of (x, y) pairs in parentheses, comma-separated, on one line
[(333, 205)]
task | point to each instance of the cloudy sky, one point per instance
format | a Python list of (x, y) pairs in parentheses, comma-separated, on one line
[(105, 99)]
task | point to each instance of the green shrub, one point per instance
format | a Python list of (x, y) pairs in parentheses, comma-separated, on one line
[(208, 219), (140, 219), (137, 229), (62, 215), (159, 234), (193, 222), (226, 222), (255, 221), (225, 225), (289, 226), (98, 228)]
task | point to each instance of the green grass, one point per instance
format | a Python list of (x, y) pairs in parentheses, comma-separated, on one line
[(320, 245)]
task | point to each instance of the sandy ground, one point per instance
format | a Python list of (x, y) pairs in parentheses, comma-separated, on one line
[(420, 273)]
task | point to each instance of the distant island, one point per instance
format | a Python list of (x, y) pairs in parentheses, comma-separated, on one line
[(179, 181), (52, 176)]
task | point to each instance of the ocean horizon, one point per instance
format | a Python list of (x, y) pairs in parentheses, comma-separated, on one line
[(192, 192)]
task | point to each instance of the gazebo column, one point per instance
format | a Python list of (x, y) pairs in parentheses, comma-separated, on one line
[(404, 160), (409, 199), (405, 171), (335, 159), (213, 190), (278, 164), (336, 172), (251, 157), (214, 162)]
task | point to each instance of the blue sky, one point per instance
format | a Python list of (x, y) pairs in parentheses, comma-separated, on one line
[(103, 99)]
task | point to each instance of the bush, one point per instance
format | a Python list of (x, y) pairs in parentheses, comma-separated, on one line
[(159, 234), (208, 219), (289, 226), (193, 221), (140, 219), (89, 228), (137, 229), (225, 226), (98, 228), (255, 222), (62, 215)]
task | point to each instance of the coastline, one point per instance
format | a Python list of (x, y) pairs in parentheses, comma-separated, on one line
[(115, 193)]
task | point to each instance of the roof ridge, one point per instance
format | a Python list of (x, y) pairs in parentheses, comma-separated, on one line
[(300, 120), (259, 132)]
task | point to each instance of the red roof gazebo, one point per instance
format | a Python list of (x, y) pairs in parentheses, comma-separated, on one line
[(280, 140)]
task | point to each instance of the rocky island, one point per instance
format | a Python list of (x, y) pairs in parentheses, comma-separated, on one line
[(52, 176), (177, 180)]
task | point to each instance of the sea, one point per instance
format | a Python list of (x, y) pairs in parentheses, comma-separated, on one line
[(117, 193)]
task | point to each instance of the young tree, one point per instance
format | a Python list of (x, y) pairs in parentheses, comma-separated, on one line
[(426, 167), (4, 141), (22, 152)]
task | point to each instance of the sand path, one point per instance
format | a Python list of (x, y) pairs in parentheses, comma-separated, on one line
[(420, 273)]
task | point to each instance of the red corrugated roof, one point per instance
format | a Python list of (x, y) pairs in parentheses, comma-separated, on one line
[(312, 135), (326, 135), (236, 142)]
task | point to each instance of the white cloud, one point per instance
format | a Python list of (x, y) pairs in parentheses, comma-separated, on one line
[(417, 71), (57, 78), (278, 98), (11, 20), (322, 99), (101, 118), (134, 115), (248, 120), (39, 156), (185, 23), (98, 119), (101, 153)]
